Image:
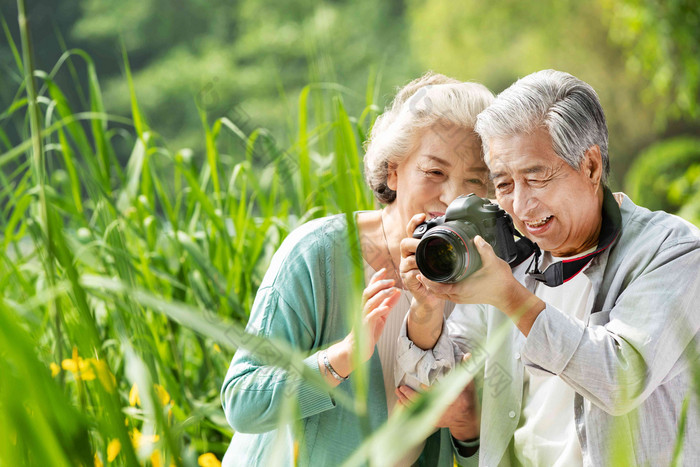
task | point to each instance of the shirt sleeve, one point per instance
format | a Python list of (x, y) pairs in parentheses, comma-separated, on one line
[(625, 352), (291, 306), (253, 394), (466, 452), (416, 366)]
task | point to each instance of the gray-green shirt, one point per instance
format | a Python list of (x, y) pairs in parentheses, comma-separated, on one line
[(630, 359)]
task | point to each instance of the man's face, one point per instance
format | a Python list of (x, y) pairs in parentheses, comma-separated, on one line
[(553, 204)]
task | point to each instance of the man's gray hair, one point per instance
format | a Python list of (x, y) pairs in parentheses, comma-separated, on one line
[(568, 107), (428, 100)]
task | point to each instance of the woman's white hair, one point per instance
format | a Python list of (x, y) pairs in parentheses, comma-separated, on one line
[(428, 100), (568, 107)]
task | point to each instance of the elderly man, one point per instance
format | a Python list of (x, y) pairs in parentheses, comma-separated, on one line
[(604, 316)]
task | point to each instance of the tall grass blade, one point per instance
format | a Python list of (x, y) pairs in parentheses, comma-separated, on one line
[(408, 427)]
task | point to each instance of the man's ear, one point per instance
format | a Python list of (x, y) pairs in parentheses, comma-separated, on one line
[(592, 166), (392, 178)]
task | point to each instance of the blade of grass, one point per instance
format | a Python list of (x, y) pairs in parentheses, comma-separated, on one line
[(408, 427)]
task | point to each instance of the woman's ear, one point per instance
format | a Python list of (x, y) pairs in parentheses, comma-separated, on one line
[(593, 165), (392, 177)]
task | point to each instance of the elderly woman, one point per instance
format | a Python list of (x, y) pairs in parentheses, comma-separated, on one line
[(422, 154)]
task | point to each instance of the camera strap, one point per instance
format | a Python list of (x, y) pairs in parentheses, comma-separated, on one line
[(560, 272)]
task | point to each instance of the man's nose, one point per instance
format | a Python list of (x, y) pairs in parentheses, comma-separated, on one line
[(523, 201)]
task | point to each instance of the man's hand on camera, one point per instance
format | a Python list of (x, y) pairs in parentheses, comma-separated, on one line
[(492, 284)]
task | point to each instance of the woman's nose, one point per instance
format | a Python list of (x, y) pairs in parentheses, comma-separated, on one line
[(450, 192)]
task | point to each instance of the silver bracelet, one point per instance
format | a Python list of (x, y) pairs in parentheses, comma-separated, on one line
[(327, 363)]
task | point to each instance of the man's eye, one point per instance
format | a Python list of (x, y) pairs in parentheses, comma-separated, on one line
[(502, 186), (475, 181)]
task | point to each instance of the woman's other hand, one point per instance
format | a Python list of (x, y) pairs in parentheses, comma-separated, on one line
[(462, 417), (378, 299)]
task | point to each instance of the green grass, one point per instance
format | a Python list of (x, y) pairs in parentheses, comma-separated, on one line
[(141, 274)]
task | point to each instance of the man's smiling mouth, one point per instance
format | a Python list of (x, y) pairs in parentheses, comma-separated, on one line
[(538, 223)]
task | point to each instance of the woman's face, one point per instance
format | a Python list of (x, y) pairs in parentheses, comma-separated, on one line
[(445, 163)]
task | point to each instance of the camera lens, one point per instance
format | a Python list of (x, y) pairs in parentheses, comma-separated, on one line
[(447, 254), (441, 256)]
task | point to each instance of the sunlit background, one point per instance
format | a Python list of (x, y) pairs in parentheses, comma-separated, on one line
[(242, 121), (249, 59)]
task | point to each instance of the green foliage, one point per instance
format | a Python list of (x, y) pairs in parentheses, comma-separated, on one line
[(498, 42), (661, 40), (247, 60), (662, 178), (32, 403), (123, 281), (686, 192), (240, 60)]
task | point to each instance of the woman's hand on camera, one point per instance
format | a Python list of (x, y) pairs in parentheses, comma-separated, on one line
[(409, 271), (378, 299), (424, 324)]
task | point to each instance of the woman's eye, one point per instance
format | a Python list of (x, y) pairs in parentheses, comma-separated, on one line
[(437, 173), (475, 181)]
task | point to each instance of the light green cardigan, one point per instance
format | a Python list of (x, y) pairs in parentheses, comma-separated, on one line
[(302, 300)]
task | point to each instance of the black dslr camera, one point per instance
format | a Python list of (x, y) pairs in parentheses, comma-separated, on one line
[(446, 252)]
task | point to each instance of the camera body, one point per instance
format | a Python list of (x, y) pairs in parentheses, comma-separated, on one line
[(446, 252)]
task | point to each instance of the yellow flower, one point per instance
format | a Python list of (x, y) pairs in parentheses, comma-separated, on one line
[(135, 399), (162, 394), (156, 458), (105, 376), (134, 396), (81, 368), (137, 438), (113, 449), (98, 462), (208, 460), (55, 369), (217, 349)]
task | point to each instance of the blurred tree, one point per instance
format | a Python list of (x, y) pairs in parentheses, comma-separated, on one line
[(498, 42), (686, 191), (249, 59), (656, 178), (241, 59), (661, 41)]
